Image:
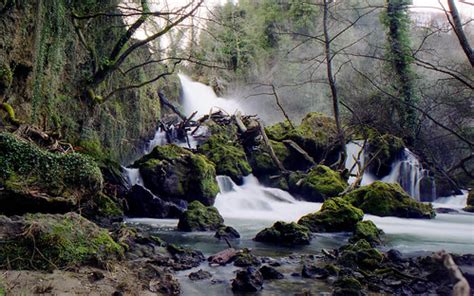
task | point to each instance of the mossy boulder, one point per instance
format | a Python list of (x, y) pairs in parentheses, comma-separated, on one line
[(200, 218), (383, 149), (174, 173), (368, 231), (285, 234), (336, 214), (46, 241), (317, 135), (388, 199), (245, 258), (470, 202), (319, 184), (228, 156), (35, 180), (360, 255), (347, 286)]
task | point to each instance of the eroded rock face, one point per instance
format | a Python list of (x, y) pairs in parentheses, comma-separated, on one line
[(143, 203), (335, 215), (200, 218), (285, 234), (388, 199), (45, 241), (174, 173), (35, 180)]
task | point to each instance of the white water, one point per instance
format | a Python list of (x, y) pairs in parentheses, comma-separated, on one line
[(407, 171), (253, 201), (452, 202), (133, 177), (158, 140), (201, 98)]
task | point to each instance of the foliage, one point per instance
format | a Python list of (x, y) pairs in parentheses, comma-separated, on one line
[(56, 241)]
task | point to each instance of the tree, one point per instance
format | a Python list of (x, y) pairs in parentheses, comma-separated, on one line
[(455, 22)]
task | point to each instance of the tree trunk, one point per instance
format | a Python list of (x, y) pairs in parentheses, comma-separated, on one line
[(460, 32)]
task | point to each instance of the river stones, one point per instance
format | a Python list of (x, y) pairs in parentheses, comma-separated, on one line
[(245, 258), (360, 254), (228, 232), (200, 275), (270, 273), (249, 280), (200, 218), (285, 234), (388, 199), (184, 258), (368, 231), (336, 214)]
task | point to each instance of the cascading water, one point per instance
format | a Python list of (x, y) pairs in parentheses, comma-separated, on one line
[(251, 200), (133, 177), (407, 171)]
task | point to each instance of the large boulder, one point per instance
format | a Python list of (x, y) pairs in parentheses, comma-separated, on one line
[(383, 149), (336, 214), (174, 173), (228, 155), (317, 135), (35, 180), (319, 184), (141, 202), (285, 234), (249, 280), (46, 241), (200, 218), (388, 199)]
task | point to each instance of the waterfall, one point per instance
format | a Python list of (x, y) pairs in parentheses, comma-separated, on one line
[(407, 171), (158, 140), (253, 201), (202, 98), (133, 177)]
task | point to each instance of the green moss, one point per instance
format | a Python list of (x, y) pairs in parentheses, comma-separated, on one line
[(10, 112), (321, 183), (106, 207), (56, 241), (245, 258), (228, 156), (388, 199), (368, 231), (200, 218), (347, 286), (6, 77), (56, 174), (360, 254), (285, 234), (384, 149), (203, 176), (336, 214)]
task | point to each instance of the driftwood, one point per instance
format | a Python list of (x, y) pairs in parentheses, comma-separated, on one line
[(461, 286), (270, 149), (239, 123), (223, 257), (300, 150), (164, 101)]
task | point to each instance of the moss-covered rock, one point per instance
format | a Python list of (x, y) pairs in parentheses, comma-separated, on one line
[(470, 202), (347, 286), (174, 173), (45, 241), (245, 258), (336, 214), (383, 149), (388, 199), (317, 135), (35, 180), (228, 156), (368, 231), (319, 184), (360, 254), (200, 218), (285, 234), (6, 77)]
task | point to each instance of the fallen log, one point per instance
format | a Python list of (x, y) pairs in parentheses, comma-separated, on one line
[(164, 101), (300, 150), (270, 149), (223, 257)]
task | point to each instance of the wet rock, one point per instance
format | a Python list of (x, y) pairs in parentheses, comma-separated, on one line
[(347, 286), (470, 202), (174, 173), (249, 280), (227, 232), (388, 199), (319, 184), (165, 284), (360, 254), (200, 275), (446, 211), (270, 273), (384, 150), (336, 214), (200, 218), (285, 234), (395, 256), (368, 231), (314, 272), (185, 258), (143, 203), (245, 258)]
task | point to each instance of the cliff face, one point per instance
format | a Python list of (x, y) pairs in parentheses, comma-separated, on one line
[(44, 70)]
